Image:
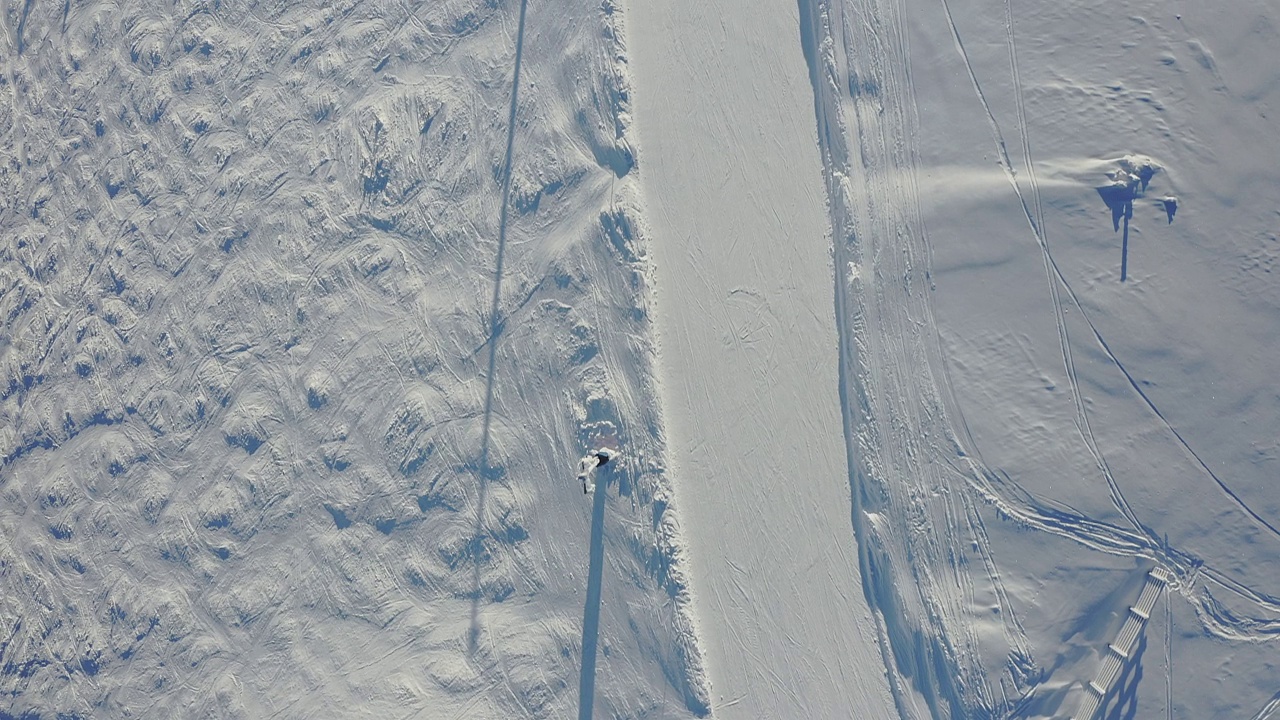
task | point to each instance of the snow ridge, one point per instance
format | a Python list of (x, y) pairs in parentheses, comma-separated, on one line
[(627, 232)]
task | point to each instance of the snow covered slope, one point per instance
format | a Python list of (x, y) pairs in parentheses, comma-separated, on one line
[(308, 312), (968, 320)]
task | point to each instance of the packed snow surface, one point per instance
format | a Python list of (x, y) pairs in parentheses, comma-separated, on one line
[(740, 238)]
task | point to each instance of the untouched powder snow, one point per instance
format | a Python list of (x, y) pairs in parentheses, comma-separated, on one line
[(740, 238)]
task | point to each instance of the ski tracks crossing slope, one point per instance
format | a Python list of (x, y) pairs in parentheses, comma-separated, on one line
[(1033, 209), (915, 470)]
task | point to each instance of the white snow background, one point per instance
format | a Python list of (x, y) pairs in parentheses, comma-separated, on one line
[(948, 328)]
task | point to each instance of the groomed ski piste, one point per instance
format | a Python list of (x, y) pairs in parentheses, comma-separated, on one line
[(749, 376), (499, 359)]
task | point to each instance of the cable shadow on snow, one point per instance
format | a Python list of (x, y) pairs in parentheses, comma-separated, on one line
[(496, 324), (591, 609)]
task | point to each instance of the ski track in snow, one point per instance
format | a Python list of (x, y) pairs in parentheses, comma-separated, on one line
[(878, 111), (1051, 269), (1035, 219)]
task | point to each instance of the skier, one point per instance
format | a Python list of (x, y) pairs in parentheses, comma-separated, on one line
[(588, 464)]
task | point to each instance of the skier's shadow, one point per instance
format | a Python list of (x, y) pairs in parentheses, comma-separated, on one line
[(591, 610)]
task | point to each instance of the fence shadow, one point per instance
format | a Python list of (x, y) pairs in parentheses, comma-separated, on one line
[(1123, 700)]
